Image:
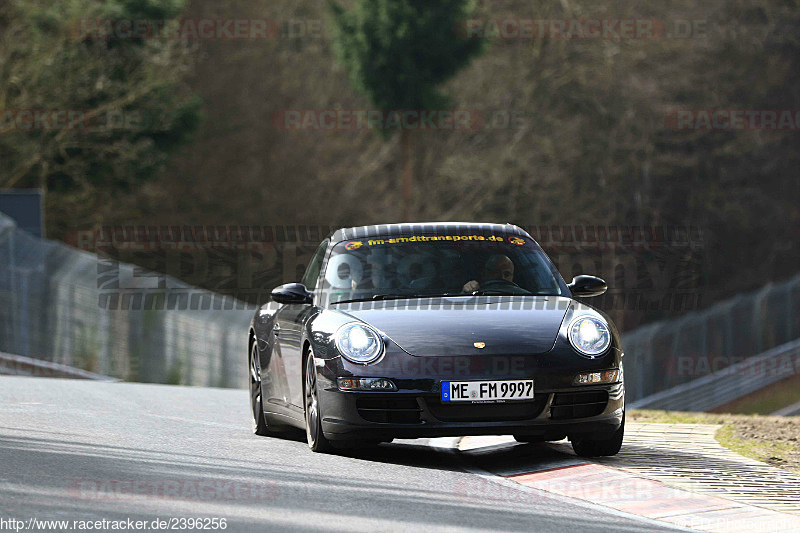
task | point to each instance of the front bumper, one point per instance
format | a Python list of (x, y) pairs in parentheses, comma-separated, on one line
[(416, 410)]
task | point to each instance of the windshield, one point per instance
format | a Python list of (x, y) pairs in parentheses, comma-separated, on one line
[(446, 265)]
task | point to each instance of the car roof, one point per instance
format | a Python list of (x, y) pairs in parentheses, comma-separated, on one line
[(425, 228)]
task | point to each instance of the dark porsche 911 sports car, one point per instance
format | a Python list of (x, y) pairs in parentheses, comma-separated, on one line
[(440, 329)]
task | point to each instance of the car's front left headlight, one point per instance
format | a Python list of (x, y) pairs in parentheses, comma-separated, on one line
[(359, 343), (589, 335)]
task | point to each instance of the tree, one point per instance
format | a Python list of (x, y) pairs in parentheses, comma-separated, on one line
[(134, 107), (398, 53)]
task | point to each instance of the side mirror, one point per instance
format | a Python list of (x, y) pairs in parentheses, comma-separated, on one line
[(587, 286), (291, 293)]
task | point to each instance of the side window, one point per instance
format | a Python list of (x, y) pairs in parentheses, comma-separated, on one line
[(312, 272)]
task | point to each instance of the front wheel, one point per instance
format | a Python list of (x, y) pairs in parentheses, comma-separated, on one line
[(600, 447), (316, 439)]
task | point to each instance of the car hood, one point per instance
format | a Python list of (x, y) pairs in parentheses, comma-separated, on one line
[(457, 326)]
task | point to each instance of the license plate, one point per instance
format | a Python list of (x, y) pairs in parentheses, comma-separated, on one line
[(486, 391)]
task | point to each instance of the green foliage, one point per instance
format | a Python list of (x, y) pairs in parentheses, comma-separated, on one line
[(399, 52), (175, 374), (138, 105)]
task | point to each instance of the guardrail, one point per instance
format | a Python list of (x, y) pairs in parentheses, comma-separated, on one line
[(52, 305), (18, 365), (728, 384), (725, 333)]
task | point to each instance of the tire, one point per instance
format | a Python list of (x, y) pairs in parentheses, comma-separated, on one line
[(316, 439), (256, 397), (600, 447)]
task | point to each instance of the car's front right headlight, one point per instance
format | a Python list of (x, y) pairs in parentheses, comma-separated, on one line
[(589, 335), (359, 343)]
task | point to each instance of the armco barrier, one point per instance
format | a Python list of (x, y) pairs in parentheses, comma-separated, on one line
[(18, 365), (50, 309), (657, 355), (731, 383)]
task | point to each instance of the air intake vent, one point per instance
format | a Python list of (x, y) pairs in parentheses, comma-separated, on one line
[(389, 410), (582, 404)]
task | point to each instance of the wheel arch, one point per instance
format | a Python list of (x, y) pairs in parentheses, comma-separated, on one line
[(303, 360), (251, 338)]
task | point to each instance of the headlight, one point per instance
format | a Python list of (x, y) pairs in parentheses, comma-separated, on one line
[(589, 335), (359, 343)]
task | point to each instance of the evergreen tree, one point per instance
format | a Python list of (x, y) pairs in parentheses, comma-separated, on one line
[(399, 52)]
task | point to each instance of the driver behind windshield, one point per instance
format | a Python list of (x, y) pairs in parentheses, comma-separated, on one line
[(498, 275)]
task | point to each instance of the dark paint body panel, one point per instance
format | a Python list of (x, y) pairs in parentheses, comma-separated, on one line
[(451, 326), (428, 341)]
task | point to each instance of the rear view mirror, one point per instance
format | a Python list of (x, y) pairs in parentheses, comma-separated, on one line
[(291, 293), (587, 286)]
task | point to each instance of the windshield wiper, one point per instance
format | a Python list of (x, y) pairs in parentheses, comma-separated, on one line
[(491, 292), (378, 297), (351, 301), (397, 296)]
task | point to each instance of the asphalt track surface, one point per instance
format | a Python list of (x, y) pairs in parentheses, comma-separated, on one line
[(81, 450)]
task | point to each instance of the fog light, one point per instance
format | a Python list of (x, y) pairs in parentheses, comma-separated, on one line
[(606, 376), (373, 384)]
